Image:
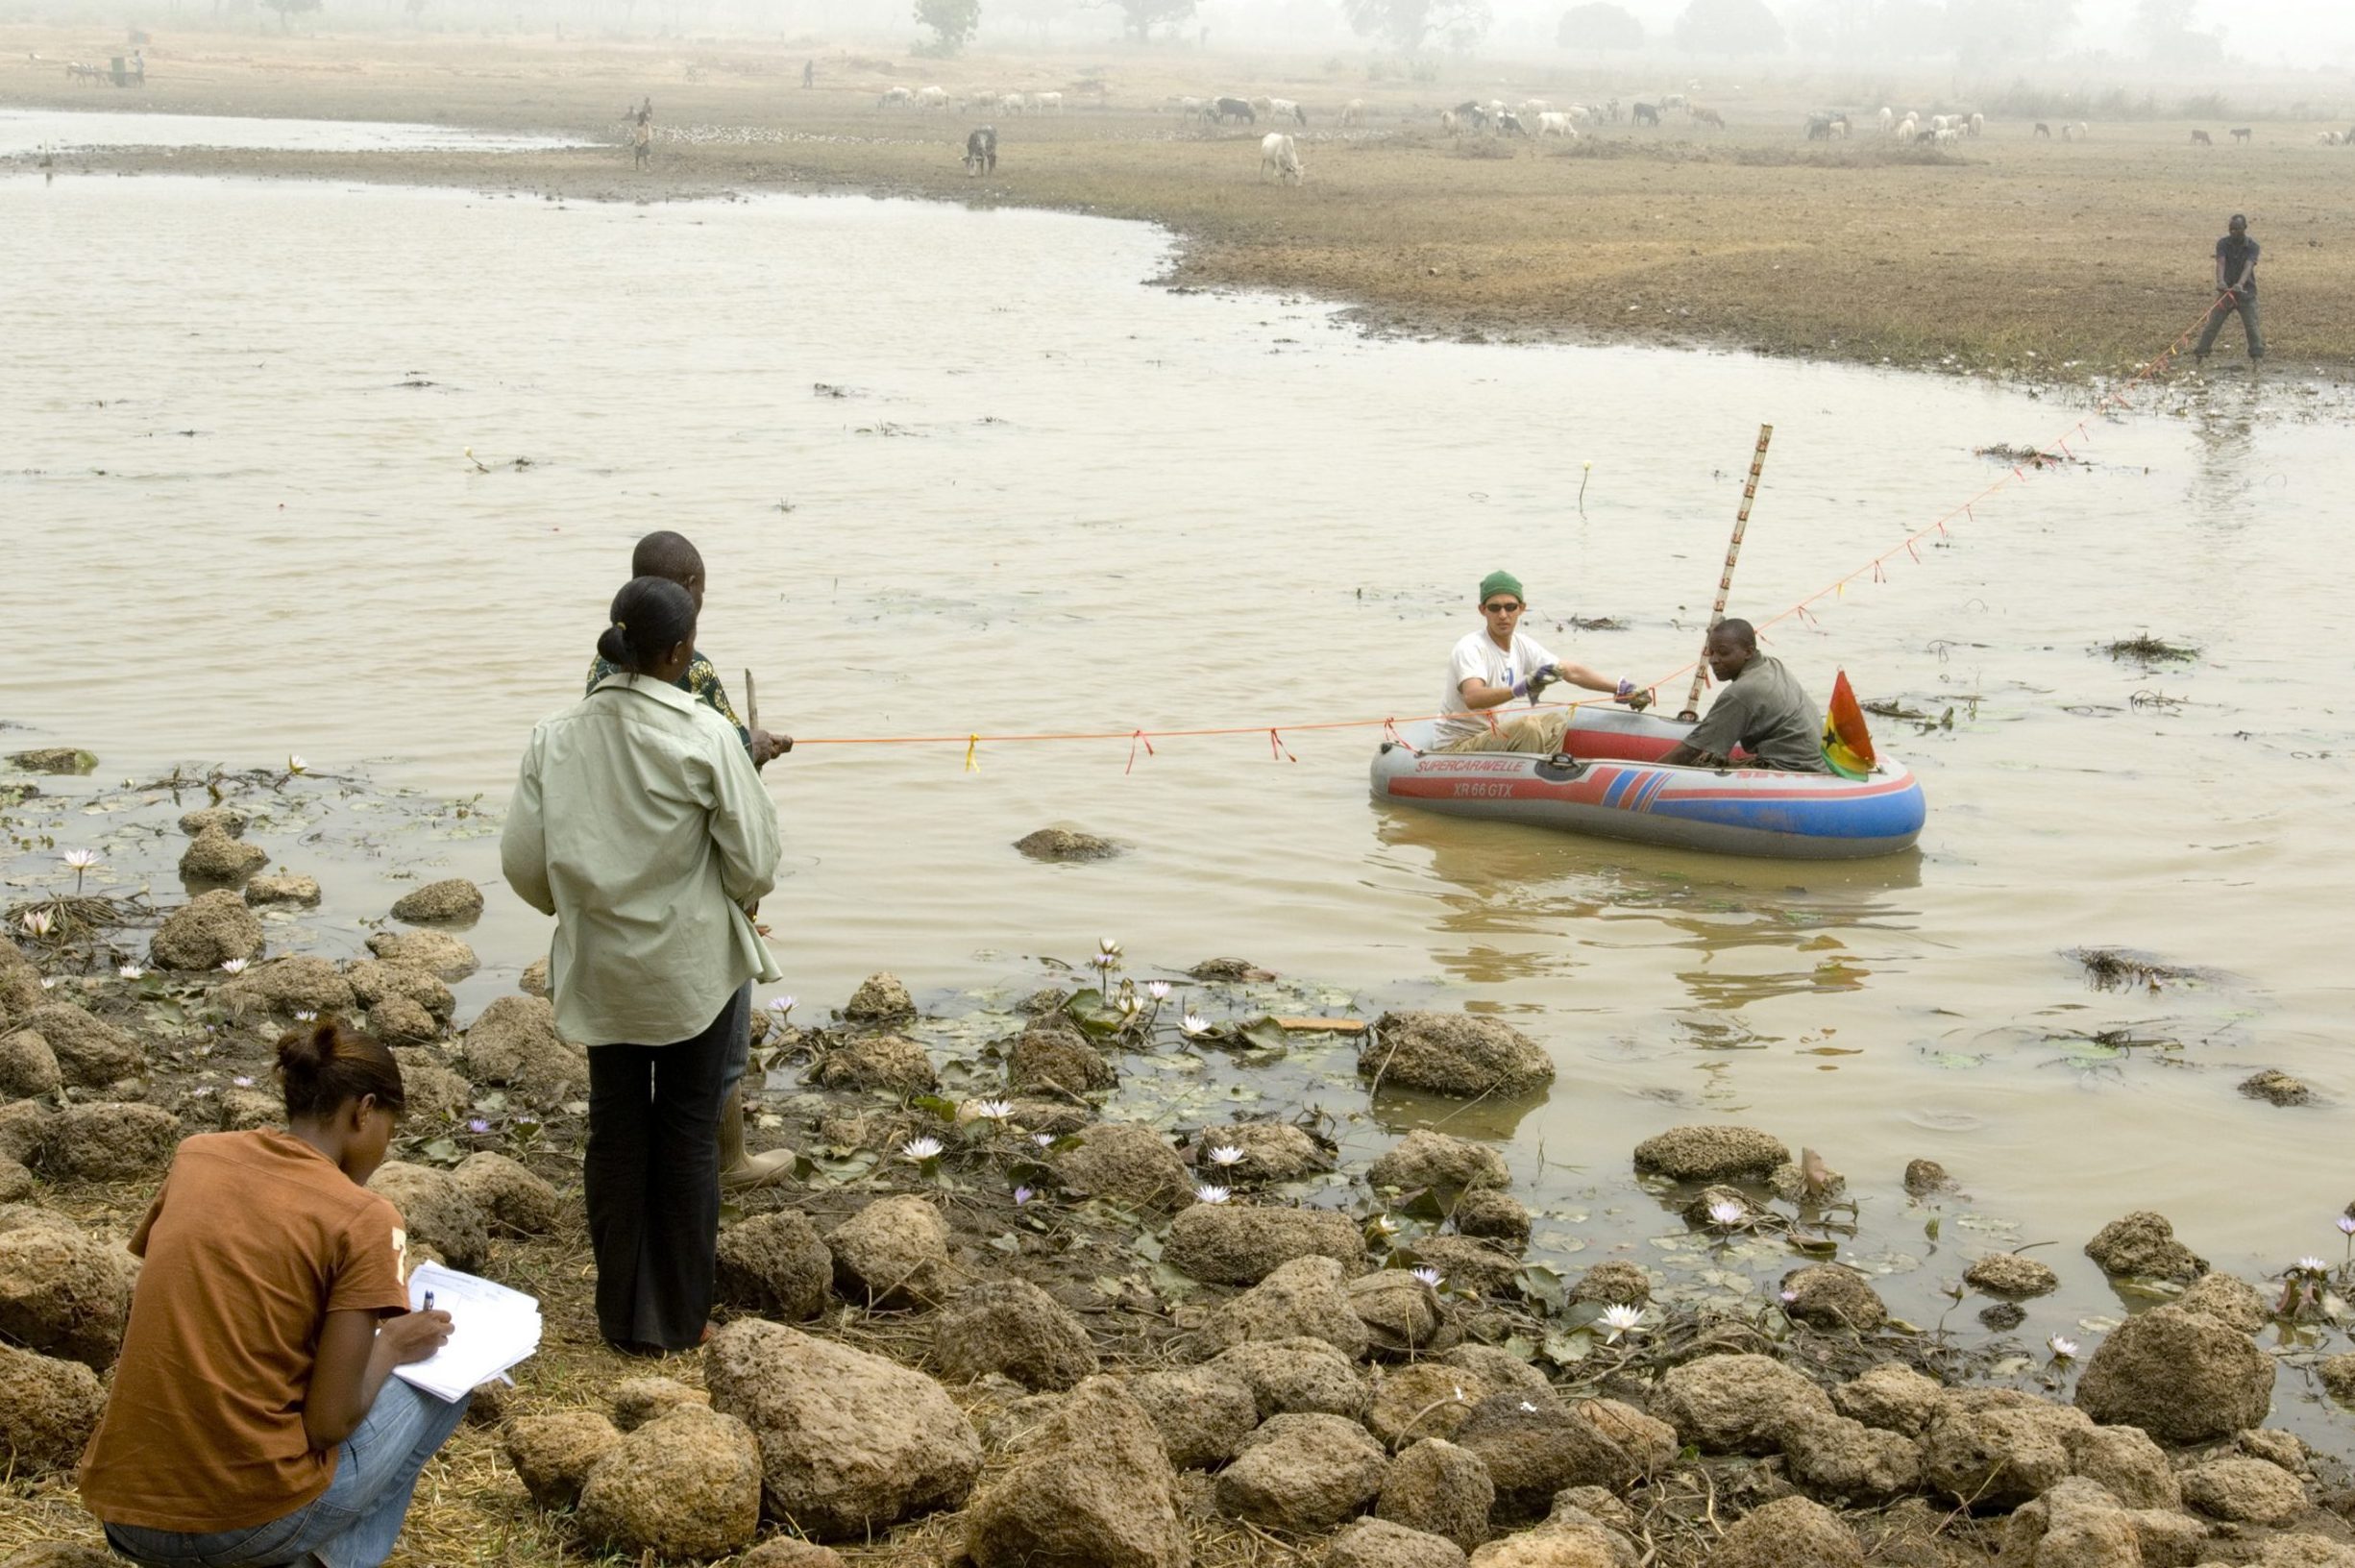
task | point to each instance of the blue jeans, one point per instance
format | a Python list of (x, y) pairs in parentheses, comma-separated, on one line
[(351, 1525)]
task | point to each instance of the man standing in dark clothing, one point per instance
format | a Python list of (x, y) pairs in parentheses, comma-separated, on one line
[(2235, 286)]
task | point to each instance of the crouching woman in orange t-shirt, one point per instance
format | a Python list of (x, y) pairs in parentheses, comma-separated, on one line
[(253, 1418)]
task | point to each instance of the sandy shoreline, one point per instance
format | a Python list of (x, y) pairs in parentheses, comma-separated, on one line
[(2011, 255)]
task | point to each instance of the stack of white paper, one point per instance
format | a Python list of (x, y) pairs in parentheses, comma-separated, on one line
[(491, 1328)]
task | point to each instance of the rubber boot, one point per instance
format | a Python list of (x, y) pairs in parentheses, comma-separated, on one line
[(737, 1168)]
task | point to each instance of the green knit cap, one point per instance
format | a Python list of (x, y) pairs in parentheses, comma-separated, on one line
[(1501, 581)]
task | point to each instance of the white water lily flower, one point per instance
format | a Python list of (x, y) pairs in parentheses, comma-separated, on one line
[(81, 860), (233, 966), (2314, 1266), (781, 1005), (1726, 1211), (1194, 1024), (1128, 1005), (1103, 961), (1158, 989), (1621, 1320), (2062, 1349), (1428, 1275), (1226, 1154), (2347, 1224), (1387, 1225), (1206, 1193), (920, 1149), (1107, 946), (306, 1014), (49, 982), (993, 1109), (131, 971), (37, 922), (1042, 1140), (295, 763)]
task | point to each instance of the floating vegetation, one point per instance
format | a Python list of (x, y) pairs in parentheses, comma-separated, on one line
[(2111, 968), (2031, 457), (1601, 623), (2144, 648)]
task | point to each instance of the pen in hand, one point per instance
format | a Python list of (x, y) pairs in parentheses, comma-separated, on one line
[(428, 1306)]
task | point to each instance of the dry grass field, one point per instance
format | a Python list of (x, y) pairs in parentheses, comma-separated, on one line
[(2010, 253)]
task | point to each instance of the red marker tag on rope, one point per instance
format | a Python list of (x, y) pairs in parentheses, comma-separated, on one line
[(1276, 746), (1135, 739), (1389, 731)]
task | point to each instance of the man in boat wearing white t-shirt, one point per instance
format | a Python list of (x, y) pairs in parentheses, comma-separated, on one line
[(1499, 662)]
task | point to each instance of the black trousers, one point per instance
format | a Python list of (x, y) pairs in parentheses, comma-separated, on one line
[(653, 1179)]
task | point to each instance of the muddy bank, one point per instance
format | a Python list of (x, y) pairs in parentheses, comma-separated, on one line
[(1103, 1271), (2063, 265)]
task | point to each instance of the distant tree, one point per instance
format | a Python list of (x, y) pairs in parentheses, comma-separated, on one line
[(2165, 28), (288, 8), (1140, 17), (1410, 24), (953, 23), (1729, 27), (1599, 25)]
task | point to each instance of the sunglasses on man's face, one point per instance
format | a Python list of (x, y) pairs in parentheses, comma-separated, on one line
[(1501, 609)]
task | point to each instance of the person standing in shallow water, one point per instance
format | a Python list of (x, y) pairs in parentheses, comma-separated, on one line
[(2236, 291), (254, 1416), (640, 824), (670, 555)]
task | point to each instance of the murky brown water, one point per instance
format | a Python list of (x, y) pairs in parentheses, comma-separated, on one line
[(239, 523)]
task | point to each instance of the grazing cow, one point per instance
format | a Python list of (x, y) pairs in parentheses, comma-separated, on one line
[(1888, 120), (1942, 122), (1278, 157), (1048, 103), (932, 98), (1353, 112), (1707, 117), (1553, 124), (1509, 124), (1264, 105), (1235, 109), (1952, 133), (1448, 121), (1283, 109), (981, 151), (1978, 123), (1582, 114), (2199, 138), (1819, 128), (1673, 100), (2326, 139), (1612, 104), (895, 98), (1188, 108), (2243, 133), (2042, 130), (1012, 103), (1647, 114), (1839, 125)]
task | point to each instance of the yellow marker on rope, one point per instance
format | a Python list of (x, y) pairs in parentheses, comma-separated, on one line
[(971, 743)]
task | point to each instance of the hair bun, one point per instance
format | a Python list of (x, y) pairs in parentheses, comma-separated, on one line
[(307, 1051)]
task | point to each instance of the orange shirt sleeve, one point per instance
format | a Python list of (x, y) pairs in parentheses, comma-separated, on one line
[(371, 1270)]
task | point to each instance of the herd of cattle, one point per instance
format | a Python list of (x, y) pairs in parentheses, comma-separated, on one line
[(1533, 117)]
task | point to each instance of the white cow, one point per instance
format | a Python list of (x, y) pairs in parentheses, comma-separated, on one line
[(1448, 123), (1551, 124), (1353, 112), (1012, 103), (1581, 113), (1047, 103), (1978, 124), (1888, 121), (1186, 108), (1534, 107), (1908, 127), (895, 98), (1947, 135), (1283, 109), (932, 98), (2326, 139), (1278, 157)]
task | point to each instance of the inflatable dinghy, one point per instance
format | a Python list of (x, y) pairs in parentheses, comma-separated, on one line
[(1611, 785)]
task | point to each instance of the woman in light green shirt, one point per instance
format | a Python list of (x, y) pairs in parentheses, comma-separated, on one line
[(639, 823)]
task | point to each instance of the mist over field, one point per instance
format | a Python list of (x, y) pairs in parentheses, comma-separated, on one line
[(2117, 36)]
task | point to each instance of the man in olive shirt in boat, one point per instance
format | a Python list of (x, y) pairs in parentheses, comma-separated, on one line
[(1761, 707)]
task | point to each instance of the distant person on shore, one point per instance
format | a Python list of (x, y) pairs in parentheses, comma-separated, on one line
[(643, 113), (809, 73), (1761, 707), (640, 824), (641, 144), (672, 556), (2235, 286), (1499, 663), (253, 1415)]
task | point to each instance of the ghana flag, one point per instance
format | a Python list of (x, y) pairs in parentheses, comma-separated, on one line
[(1847, 746)]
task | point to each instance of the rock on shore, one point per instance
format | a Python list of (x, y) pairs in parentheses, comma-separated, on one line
[(1094, 1487), (1453, 1054), (2181, 1375)]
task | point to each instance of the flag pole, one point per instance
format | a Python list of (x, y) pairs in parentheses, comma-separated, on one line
[(1724, 580)]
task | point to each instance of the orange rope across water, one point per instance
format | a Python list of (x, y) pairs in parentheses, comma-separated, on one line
[(973, 740)]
